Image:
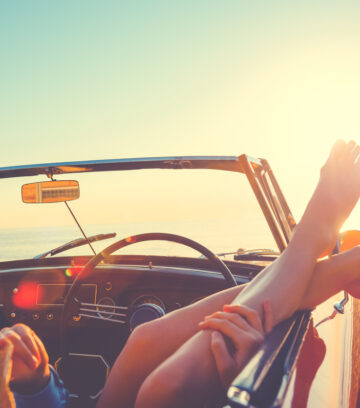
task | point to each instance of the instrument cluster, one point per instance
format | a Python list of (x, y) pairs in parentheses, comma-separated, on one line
[(114, 295)]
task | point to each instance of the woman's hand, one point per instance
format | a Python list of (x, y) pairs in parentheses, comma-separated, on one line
[(30, 369), (238, 332)]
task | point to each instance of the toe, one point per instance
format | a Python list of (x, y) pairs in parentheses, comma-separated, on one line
[(348, 150), (355, 153), (337, 150)]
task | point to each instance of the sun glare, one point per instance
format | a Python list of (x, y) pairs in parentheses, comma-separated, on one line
[(27, 295)]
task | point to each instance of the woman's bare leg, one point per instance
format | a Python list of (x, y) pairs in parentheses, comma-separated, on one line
[(189, 376), (333, 200), (340, 272), (135, 362)]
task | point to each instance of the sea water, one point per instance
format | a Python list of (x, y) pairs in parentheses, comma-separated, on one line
[(218, 236)]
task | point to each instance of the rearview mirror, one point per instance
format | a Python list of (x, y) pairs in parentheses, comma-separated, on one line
[(50, 191)]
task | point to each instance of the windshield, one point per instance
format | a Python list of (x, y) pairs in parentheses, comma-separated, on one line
[(215, 208)]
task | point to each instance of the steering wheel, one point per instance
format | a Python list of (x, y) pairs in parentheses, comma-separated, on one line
[(72, 304)]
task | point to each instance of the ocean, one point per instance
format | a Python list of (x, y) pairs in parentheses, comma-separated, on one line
[(218, 236)]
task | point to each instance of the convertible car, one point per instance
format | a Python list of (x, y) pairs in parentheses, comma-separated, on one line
[(83, 297)]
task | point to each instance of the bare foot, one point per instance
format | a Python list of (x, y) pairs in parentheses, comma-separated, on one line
[(335, 196)]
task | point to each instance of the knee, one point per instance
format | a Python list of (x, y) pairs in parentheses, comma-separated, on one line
[(143, 337)]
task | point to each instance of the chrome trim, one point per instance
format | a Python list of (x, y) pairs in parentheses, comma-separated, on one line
[(137, 301), (240, 397), (105, 319), (100, 305), (103, 312)]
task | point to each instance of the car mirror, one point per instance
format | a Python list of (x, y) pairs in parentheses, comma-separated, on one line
[(349, 239), (346, 240), (50, 191)]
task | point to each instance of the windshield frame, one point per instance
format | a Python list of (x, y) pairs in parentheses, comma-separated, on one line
[(258, 172)]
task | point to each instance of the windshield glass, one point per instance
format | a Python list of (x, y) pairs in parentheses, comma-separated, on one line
[(215, 208)]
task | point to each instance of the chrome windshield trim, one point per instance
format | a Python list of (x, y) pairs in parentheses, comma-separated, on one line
[(228, 163)]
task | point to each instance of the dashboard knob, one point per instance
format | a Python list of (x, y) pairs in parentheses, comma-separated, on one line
[(145, 313)]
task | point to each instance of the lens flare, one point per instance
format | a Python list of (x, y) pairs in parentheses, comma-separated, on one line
[(68, 272), (27, 295), (73, 271)]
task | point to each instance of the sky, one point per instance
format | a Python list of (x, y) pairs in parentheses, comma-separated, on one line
[(85, 80)]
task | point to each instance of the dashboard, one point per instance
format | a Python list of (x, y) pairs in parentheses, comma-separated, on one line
[(120, 294)]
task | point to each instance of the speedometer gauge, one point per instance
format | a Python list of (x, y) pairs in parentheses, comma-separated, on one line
[(148, 299)]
